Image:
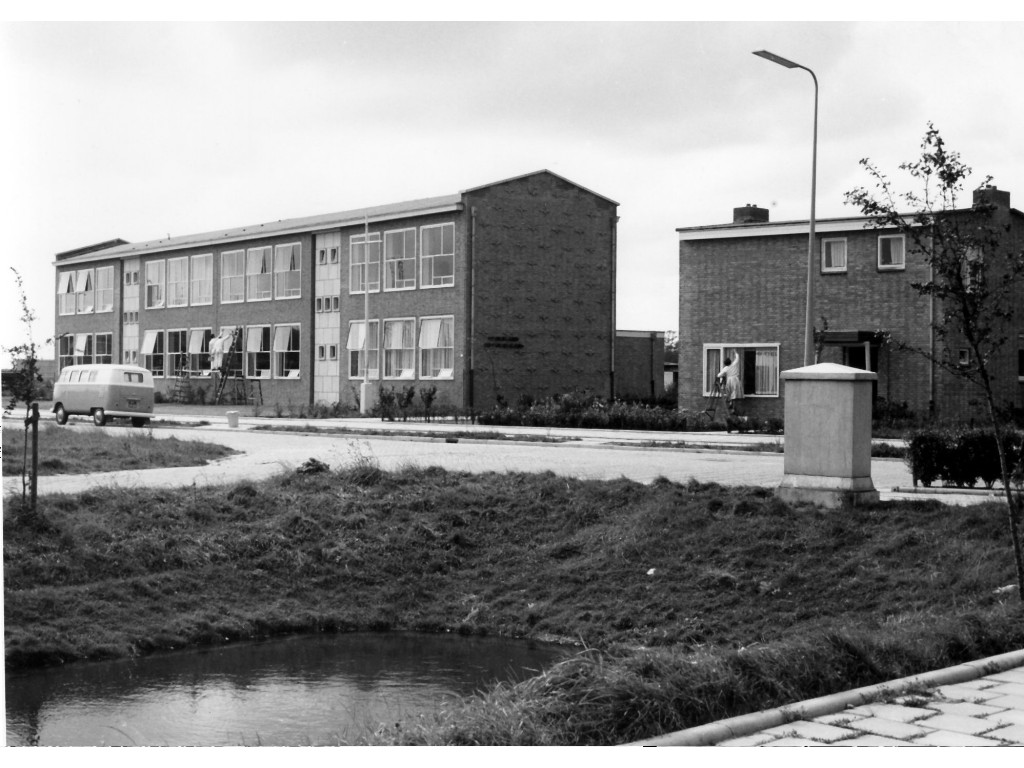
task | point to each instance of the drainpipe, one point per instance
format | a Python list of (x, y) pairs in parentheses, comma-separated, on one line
[(614, 247), (471, 330), (931, 344)]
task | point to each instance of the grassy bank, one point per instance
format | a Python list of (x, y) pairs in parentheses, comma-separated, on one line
[(79, 448), (662, 584)]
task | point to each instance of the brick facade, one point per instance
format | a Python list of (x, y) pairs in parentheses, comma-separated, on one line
[(745, 283), (639, 365), (529, 301)]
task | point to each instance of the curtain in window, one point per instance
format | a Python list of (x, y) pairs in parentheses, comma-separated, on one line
[(282, 336), (767, 372), (148, 342), (81, 343), (356, 335), (712, 365), (195, 341), (254, 340), (430, 333)]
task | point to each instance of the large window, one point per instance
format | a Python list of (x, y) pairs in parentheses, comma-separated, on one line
[(437, 255), (199, 351), (104, 348), (287, 343), (759, 367), (833, 255), (400, 260), (400, 349), (257, 352), (437, 348), (288, 271), (364, 263), (232, 277), (154, 284), (259, 276), (202, 279), (357, 356), (85, 291), (177, 282), (105, 289), (177, 353), (67, 299), (891, 253), (152, 352)]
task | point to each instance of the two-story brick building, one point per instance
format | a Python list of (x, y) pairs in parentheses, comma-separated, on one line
[(499, 291), (742, 291)]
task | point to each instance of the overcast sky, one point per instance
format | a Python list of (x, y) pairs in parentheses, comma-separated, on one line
[(143, 130)]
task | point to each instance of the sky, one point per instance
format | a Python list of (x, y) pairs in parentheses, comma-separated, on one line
[(140, 130)]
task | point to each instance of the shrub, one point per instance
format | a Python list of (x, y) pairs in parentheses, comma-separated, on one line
[(960, 457)]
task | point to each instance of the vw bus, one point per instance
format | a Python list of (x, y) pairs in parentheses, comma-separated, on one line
[(104, 391)]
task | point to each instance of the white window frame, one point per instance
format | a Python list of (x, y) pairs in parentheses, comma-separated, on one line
[(177, 363), (288, 271), (177, 281), (83, 349), (723, 350), (259, 273), (257, 344), (152, 351), (232, 280), (393, 355), (288, 336), (201, 293), (428, 276), (827, 251), (106, 341), (895, 266), (155, 280), (104, 289), (356, 347), (199, 360), (66, 296), (65, 351), (398, 243), (85, 294), (364, 254), (430, 336)]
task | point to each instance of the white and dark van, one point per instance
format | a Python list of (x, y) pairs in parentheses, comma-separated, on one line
[(104, 391)]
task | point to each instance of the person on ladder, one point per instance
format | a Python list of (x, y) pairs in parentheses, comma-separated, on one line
[(730, 383)]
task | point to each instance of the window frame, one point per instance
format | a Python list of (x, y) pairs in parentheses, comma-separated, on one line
[(104, 287), (177, 363), (156, 353), (365, 264), (199, 278), (236, 259), (408, 237), (67, 301), (424, 353), (155, 268), (721, 348), (430, 258), (834, 270), (199, 360), (259, 285), (253, 356), (894, 267), (65, 351), (373, 349), (178, 287), (106, 355), (280, 357), (288, 276), (389, 356), (85, 295)]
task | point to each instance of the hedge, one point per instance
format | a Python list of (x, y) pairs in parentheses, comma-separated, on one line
[(962, 457)]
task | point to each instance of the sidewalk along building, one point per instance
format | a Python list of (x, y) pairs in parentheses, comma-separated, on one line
[(742, 292), (490, 294)]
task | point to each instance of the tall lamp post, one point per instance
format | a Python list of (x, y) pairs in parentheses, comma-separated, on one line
[(809, 317)]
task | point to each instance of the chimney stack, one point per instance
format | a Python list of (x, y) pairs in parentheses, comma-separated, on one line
[(749, 214), (990, 195)]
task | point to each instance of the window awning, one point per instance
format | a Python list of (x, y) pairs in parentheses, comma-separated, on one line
[(356, 335), (81, 342), (430, 333), (281, 335), (842, 338), (67, 282), (148, 343), (254, 340), (195, 341)]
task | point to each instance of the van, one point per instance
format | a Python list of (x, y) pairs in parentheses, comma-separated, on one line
[(104, 391)]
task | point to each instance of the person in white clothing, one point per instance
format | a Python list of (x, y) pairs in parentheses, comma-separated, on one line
[(730, 382)]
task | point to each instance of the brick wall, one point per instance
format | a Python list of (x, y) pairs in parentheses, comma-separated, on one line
[(639, 365)]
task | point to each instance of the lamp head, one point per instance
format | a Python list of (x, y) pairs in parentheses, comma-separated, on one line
[(777, 59)]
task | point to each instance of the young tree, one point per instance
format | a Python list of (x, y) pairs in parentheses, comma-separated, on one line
[(25, 380), (976, 276)]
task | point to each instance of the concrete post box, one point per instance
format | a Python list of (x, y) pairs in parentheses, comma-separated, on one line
[(828, 436)]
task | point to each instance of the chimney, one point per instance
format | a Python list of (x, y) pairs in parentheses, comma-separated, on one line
[(990, 195), (749, 214)]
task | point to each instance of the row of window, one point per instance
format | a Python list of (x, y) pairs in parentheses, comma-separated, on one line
[(265, 352), (433, 338), (85, 291), (891, 253), (84, 348), (436, 259)]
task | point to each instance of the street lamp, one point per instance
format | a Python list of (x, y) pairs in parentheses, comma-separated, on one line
[(809, 318)]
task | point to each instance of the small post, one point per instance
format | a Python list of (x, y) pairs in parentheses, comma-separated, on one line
[(33, 420)]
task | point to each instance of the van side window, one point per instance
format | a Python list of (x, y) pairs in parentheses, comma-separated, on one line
[(75, 376), (133, 377), (92, 375)]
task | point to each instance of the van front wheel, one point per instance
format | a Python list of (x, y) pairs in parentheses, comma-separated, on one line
[(62, 415), (99, 418)]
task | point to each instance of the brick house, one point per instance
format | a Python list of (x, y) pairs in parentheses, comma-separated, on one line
[(639, 365), (742, 293), (499, 291)]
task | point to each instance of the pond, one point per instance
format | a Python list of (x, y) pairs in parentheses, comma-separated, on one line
[(293, 691)]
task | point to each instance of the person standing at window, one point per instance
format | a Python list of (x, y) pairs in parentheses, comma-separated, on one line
[(731, 383)]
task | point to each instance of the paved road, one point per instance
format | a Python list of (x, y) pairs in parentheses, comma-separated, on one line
[(589, 454)]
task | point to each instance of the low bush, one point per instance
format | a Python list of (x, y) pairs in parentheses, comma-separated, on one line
[(961, 457)]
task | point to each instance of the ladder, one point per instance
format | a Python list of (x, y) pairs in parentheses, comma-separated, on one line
[(711, 405), (182, 390)]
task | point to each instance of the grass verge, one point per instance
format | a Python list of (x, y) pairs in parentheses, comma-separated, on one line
[(79, 448), (693, 602), (450, 436)]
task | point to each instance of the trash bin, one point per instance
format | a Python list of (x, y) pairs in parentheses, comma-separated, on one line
[(232, 418)]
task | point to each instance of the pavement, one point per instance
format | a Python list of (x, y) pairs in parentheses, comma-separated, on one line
[(980, 703)]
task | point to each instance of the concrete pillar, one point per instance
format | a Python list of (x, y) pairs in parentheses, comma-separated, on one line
[(828, 436)]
